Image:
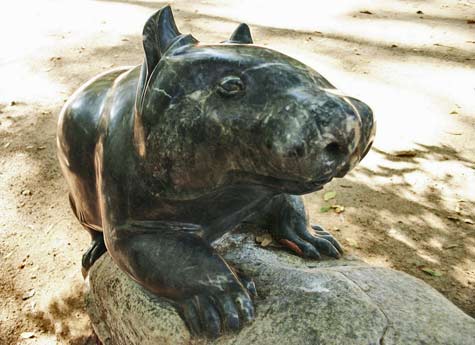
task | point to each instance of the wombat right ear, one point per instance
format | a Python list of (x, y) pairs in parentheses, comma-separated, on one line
[(159, 33), (242, 35)]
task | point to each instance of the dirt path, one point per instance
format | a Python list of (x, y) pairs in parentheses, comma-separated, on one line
[(408, 206)]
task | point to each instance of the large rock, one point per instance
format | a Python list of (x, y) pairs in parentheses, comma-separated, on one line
[(342, 302)]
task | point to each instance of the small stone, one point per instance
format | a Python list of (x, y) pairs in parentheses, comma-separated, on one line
[(27, 335), (29, 294), (26, 192)]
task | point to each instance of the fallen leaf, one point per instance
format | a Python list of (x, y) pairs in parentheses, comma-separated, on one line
[(366, 12), (431, 272), (292, 246), (8, 255), (454, 112), (407, 154), (264, 240), (27, 335), (338, 208), (346, 186), (329, 195), (468, 221), (471, 21), (354, 244), (450, 246), (325, 209)]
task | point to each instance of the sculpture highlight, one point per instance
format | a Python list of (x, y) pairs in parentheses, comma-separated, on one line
[(164, 158)]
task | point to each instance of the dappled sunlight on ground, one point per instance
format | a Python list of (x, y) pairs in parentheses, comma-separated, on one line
[(410, 210), (409, 205)]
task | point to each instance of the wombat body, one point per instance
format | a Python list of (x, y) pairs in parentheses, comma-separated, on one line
[(163, 158)]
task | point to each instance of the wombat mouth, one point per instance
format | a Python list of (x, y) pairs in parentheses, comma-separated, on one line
[(277, 184)]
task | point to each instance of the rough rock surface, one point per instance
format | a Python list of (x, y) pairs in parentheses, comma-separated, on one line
[(342, 302)]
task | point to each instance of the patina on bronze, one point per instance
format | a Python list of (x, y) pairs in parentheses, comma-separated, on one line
[(164, 158)]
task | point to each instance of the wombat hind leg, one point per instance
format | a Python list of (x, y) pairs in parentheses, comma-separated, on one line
[(97, 247), (94, 252)]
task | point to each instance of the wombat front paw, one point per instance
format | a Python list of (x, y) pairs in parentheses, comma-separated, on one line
[(307, 243), (212, 314)]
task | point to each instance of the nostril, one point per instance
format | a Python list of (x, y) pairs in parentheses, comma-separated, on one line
[(297, 151), (300, 150), (334, 151)]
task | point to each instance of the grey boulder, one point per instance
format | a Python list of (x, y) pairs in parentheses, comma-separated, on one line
[(342, 302)]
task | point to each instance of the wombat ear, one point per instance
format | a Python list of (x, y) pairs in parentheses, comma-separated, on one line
[(242, 35), (159, 33)]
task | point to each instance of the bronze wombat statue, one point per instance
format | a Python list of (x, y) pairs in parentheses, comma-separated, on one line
[(164, 158)]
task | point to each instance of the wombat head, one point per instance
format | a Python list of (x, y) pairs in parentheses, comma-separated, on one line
[(236, 113)]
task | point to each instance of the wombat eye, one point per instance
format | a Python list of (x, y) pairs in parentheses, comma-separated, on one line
[(230, 86)]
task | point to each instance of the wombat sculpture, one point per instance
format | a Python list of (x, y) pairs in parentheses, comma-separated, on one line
[(164, 158)]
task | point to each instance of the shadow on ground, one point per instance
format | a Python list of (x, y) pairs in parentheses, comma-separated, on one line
[(397, 211), (396, 218)]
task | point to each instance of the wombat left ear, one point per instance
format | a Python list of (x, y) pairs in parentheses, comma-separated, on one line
[(242, 35), (159, 33)]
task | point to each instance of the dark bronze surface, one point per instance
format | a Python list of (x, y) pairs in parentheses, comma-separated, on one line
[(164, 158)]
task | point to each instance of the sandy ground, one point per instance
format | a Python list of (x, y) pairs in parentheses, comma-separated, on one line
[(409, 205)]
